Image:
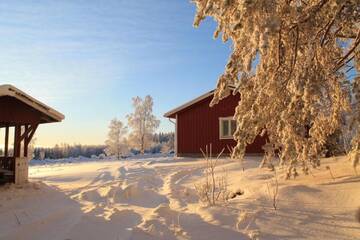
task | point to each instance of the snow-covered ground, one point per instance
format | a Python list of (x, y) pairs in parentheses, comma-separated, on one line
[(155, 198)]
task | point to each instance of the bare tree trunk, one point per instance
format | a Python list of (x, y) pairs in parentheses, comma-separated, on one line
[(142, 149)]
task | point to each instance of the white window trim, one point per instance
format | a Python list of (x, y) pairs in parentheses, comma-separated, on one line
[(221, 135)]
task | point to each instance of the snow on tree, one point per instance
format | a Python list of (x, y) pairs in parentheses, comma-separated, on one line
[(31, 148), (42, 154), (143, 123), (168, 146), (116, 143), (288, 61)]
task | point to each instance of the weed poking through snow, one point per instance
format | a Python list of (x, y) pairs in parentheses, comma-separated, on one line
[(273, 190), (213, 188), (329, 169)]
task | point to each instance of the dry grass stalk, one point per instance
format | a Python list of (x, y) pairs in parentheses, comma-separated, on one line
[(213, 189), (331, 174), (273, 190)]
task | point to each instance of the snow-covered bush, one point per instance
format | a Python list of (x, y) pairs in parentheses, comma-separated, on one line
[(288, 62)]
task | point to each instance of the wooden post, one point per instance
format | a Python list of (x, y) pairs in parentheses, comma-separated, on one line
[(26, 140), (17, 141), (6, 148), (28, 135), (176, 148)]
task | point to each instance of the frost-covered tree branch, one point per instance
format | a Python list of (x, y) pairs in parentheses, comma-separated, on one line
[(288, 61)]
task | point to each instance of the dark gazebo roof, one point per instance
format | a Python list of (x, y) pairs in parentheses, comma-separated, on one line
[(17, 107)]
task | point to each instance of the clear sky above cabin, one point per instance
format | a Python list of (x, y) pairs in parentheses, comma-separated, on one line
[(87, 59)]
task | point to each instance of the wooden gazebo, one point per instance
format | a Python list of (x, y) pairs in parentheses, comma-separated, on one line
[(20, 115)]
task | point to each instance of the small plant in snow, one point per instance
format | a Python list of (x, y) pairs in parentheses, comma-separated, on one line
[(213, 188), (329, 169), (273, 190)]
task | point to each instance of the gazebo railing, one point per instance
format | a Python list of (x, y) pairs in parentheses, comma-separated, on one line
[(14, 170), (7, 163)]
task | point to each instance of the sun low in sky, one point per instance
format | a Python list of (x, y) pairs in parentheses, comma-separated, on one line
[(87, 59)]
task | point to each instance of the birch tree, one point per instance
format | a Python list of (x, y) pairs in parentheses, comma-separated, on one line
[(289, 61), (143, 123), (31, 148), (116, 144)]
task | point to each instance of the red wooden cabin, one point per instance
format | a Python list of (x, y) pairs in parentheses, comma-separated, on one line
[(20, 115), (198, 124)]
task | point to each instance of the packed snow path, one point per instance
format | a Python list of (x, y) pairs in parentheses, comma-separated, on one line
[(155, 199)]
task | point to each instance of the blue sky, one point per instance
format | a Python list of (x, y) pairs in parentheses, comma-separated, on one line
[(87, 59)]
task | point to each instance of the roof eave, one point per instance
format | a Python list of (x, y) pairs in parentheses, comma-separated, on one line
[(9, 90), (174, 111)]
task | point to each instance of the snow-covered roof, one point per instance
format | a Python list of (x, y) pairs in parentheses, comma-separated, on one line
[(11, 91), (188, 104)]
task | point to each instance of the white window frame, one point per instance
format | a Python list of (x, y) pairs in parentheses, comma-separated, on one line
[(221, 134)]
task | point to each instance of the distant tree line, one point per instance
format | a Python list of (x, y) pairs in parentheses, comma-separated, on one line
[(162, 142), (68, 151)]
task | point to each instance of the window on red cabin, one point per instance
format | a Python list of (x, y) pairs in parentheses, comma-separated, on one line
[(227, 128)]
